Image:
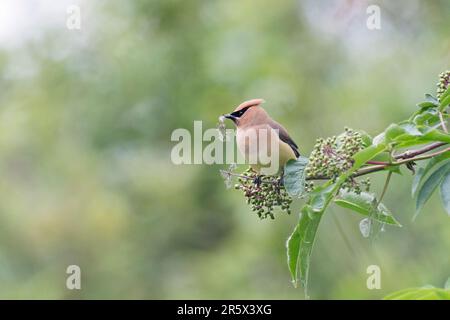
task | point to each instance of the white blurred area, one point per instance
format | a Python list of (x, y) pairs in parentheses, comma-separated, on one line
[(25, 20)]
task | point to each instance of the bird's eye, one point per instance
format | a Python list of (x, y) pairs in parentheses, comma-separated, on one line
[(239, 113)]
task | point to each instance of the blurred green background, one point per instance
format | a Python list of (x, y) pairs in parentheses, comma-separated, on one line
[(85, 123)]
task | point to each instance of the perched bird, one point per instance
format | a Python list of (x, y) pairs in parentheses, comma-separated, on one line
[(262, 139)]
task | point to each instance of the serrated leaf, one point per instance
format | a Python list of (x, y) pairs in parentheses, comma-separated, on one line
[(295, 176), (427, 188), (363, 204), (445, 192)]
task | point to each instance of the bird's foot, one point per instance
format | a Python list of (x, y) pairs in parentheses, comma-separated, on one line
[(257, 180), (281, 179)]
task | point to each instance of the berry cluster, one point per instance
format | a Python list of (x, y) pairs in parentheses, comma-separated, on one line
[(264, 193), (334, 155), (444, 81)]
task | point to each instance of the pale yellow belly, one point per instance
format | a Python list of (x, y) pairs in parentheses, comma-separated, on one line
[(263, 150)]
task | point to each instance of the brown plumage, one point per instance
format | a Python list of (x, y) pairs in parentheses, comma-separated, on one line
[(250, 117)]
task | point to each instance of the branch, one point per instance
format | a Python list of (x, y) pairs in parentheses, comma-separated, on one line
[(405, 155), (403, 158), (376, 168), (413, 153)]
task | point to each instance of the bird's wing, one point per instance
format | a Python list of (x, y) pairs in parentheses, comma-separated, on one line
[(284, 136)]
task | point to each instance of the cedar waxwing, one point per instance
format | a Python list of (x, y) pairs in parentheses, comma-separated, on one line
[(252, 121)]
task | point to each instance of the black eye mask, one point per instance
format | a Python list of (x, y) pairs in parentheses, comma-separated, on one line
[(239, 113)]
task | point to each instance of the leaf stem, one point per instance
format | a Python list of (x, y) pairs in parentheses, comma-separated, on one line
[(386, 184)]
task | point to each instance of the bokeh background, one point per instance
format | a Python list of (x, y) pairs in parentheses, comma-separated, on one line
[(85, 123)]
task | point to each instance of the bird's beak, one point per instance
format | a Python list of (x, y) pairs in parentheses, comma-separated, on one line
[(230, 116)]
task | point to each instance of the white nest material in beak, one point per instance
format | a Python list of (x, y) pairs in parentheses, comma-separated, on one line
[(222, 129)]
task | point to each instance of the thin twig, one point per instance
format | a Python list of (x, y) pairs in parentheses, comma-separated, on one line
[(412, 153), (378, 162), (386, 184), (376, 168)]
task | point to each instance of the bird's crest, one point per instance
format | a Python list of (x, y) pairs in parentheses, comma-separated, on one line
[(250, 103)]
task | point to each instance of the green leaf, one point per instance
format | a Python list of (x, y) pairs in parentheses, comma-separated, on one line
[(437, 135), (405, 132), (366, 138), (383, 157), (408, 134), (294, 176), (410, 129), (365, 155), (426, 105), (364, 204), (386, 157), (429, 106), (444, 96), (429, 135), (321, 196), (428, 187), (428, 118), (422, 173), (445, 102), (431, 99), (445, 192), (419, 294), (394, 169), (436, 160), (393, 131), (417, 179), (300, 244)]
